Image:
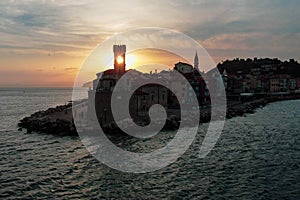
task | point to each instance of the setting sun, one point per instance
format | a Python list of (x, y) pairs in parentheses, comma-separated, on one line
[(120, 60)]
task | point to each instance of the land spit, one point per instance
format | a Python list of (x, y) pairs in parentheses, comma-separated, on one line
[(59, 120)]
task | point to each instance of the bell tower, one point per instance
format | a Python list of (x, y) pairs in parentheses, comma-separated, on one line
[(196, 61), (119, 58)]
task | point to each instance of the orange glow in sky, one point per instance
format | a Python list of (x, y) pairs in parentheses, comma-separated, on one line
[(38, 70), (57, 70), (153, 58), (131, 60)]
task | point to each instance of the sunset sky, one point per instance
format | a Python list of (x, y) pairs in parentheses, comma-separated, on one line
[(44, 43)]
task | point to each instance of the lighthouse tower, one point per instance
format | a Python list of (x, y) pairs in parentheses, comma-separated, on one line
[(119, 58)]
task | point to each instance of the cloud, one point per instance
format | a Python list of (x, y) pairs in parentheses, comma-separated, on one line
[(75, 27), (71, 69), (233, 41)]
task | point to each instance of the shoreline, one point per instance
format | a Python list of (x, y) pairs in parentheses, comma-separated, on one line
[(59, 120)]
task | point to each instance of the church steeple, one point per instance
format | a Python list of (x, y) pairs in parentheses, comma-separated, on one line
[(196, 62)]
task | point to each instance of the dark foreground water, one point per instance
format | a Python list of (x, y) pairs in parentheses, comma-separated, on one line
[(257, 157)]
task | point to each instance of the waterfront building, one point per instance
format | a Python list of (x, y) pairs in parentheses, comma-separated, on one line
[(183, 68)]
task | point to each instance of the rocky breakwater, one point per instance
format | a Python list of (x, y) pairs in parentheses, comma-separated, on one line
[(245, 108), (59, 120), (249, 107), (56, 121)]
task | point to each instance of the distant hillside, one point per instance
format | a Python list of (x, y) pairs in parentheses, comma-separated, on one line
[(243, 66), (87, 84)]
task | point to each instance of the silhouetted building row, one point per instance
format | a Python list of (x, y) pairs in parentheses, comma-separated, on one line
[(261, 79), (146, 95)]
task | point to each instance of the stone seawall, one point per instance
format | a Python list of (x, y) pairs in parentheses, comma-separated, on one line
[(59, 120)]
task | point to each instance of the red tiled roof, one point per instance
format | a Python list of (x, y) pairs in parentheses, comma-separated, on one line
[(110, 72)]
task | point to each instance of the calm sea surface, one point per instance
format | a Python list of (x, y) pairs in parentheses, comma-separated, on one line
[(256, 157)]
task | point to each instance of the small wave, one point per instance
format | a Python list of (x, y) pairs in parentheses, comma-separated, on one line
[(20, 150)]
